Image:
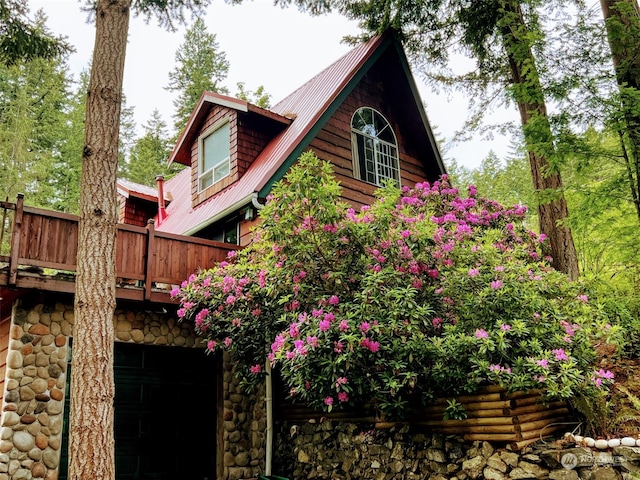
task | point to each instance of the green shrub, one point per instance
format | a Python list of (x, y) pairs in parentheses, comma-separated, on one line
[(424, 293)]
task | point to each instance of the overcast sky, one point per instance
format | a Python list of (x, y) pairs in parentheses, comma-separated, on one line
[(265, 45)]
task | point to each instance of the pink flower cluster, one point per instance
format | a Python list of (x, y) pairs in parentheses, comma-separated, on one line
[(601, 376), (499, 369)]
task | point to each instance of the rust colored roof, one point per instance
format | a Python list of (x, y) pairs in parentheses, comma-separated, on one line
[(306, 106)]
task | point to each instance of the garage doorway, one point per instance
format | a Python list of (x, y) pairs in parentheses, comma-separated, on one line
[(165, 414)]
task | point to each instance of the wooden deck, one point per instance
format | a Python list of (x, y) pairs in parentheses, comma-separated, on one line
[(43, 246)]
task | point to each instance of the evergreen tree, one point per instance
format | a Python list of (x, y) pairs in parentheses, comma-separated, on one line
[(259, 97), (33, 98), (200, 66), (22, 39), (148, 156), (622, 19), (126, 137), (507, 182), (67, 168)]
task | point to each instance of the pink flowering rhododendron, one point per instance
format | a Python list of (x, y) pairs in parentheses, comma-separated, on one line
[(560, 354), (424, 292), (481, 333), (544, 363), (341, 381)]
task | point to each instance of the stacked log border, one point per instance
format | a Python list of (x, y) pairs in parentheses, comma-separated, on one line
[(493, 415)]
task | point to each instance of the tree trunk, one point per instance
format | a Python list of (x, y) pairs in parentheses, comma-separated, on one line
[(91, 438), (528, 93), (622, 19)]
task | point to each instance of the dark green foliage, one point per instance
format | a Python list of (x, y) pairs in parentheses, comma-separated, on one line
[(149, 154), (65, 176), (33, 100), (22, 39), (165, 12), (199, 66)]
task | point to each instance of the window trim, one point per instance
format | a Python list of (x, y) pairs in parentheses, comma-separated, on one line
[(201, 139), (358, 174)]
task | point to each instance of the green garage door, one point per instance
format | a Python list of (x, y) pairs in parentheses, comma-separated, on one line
[(165, 407)]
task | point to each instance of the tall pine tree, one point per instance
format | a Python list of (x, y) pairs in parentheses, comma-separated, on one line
[(23, 39), (149, 154), (33, 98), (199, 66)]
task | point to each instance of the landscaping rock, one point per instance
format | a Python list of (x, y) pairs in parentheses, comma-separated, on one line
[(563, 474), (474, 466)]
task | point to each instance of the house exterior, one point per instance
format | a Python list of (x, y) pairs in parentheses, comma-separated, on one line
[(363, 114)]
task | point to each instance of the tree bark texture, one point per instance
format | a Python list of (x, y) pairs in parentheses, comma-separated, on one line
[(622, 19), (91, 437), (529, 95)]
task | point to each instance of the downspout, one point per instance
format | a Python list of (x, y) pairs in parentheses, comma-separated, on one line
[(268, 404), (268, 397), (162, 212)]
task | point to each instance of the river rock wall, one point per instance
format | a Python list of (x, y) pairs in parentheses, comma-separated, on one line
[(345, 451)]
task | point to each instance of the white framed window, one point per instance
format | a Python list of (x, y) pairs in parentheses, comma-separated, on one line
[(214, 164), (375, 148)]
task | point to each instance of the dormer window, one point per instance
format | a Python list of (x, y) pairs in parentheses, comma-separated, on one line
[(375, 149), (214, 155)]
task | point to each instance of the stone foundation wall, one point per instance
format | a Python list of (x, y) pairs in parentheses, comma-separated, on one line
[(32, 417), (33, 408), (31, 425), (341, 451), (244, 429)]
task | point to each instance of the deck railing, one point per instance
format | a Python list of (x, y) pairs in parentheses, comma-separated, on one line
[(43, 245)]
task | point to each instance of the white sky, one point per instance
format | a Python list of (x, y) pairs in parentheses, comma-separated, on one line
[(265, 45)]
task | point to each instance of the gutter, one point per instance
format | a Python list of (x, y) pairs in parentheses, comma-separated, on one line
[(251, 198)]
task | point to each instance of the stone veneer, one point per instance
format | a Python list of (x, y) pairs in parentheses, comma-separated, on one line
[(244, 429), (344, 451), (32, 414)]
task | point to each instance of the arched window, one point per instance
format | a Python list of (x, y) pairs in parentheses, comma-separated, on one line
[(375, 149)]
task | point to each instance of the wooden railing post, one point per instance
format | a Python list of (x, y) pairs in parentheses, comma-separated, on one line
[(150, 269), (14, 254)]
